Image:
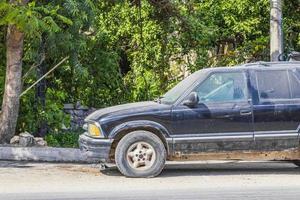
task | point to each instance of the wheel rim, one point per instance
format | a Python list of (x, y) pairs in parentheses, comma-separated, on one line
[(141, 156)]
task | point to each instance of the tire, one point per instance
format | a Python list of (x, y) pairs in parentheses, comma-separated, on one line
[(134, 158)]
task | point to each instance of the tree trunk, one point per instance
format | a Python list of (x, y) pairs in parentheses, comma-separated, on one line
[(13, 82)]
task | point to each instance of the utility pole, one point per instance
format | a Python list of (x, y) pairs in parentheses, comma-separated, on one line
[(276, 38)]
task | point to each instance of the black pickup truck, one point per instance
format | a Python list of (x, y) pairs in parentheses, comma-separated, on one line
[(246, 112)]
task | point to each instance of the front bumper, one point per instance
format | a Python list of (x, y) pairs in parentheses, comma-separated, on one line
[(95, 149)]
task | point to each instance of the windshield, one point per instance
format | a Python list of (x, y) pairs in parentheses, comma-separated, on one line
[(172, 95)]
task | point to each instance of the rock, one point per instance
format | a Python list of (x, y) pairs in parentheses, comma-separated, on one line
[(26, 139), (15, 140), (81, 107), (77, 104), (91, 110), (68, 106), (79, 113), (40, 142), (67, 111), (64, 127), (295, 56)]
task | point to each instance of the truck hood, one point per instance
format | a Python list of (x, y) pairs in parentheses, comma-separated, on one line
[(126, 110)]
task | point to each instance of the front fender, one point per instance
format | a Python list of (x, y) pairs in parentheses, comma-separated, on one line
[(139, 124)]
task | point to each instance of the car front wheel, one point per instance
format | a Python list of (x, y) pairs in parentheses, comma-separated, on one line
[(140, 154)]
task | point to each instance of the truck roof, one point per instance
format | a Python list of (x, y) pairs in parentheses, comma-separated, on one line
[(260, 64)]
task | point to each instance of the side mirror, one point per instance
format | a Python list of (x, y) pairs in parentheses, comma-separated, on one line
[(192, 100)]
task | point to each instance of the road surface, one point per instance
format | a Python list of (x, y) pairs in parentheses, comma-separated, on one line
[(205, 180)]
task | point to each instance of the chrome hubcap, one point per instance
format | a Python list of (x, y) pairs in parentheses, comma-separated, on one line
[(141, 156)]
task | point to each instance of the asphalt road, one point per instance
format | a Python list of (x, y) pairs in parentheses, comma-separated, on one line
[(205, 180)]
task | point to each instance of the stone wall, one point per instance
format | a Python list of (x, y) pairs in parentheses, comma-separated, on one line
[(78, 113)]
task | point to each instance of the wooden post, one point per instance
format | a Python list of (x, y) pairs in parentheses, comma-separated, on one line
[(276, 38)]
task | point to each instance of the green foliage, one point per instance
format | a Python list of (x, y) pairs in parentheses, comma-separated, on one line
[(32, 18), (65, 139), (125, 51), (52, 113), (291, 25)]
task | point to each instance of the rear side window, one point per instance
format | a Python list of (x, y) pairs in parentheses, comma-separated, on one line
[(273, 84), (295, 82)]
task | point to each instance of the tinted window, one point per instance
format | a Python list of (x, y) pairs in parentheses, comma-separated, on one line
[(223, 87), (273, 84), (295, 83)]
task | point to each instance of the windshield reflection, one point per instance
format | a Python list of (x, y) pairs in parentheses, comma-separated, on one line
[(172, 95)]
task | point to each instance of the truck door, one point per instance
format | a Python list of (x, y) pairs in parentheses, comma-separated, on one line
[(222, 120), (275, 111)]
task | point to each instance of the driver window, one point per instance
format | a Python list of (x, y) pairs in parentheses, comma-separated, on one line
[(223, 86)]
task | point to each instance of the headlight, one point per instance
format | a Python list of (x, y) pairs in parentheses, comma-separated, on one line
[(94, 130)]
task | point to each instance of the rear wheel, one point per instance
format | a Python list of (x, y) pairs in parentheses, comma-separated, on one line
[(140, 154)]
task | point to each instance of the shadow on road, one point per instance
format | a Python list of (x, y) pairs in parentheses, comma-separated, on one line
[(13, 164), (177, 169), (221, 169)]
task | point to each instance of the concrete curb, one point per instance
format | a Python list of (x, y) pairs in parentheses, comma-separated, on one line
[(44, 154)]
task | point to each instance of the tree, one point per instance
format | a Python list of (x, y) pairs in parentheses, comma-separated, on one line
[(22, 18), (130, 50), (13, 83)]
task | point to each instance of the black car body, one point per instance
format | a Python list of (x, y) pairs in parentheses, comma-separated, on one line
[(250, 111)]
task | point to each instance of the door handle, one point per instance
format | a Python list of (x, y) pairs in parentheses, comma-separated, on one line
[(245, 112)]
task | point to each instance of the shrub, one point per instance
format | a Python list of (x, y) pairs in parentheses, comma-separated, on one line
[(67, 139)]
